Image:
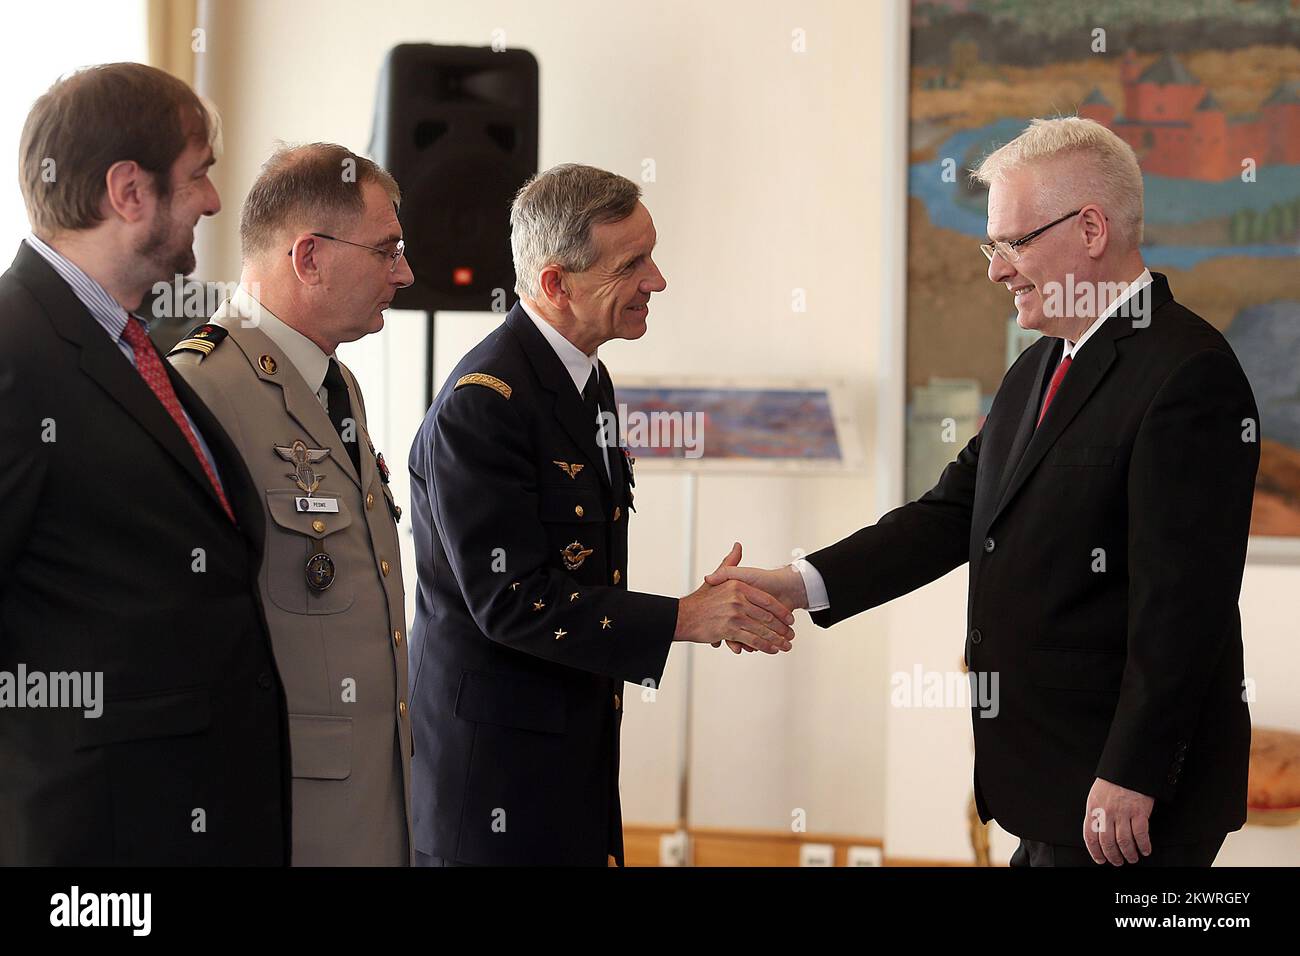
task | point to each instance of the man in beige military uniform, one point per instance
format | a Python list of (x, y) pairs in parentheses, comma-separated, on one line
[(331, 580)]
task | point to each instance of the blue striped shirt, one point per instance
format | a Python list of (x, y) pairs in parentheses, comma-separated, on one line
[(111, 316)]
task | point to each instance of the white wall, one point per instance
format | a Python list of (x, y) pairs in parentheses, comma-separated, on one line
[(775, 170)]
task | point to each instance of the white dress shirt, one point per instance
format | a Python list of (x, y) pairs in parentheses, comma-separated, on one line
[(577, 363), (818, 600)]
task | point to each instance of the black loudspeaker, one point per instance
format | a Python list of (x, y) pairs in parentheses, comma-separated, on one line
[(457, 128)]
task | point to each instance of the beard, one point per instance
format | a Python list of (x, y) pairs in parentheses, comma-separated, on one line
[(166, 251)]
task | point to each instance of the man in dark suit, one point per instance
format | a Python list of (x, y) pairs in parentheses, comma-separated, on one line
[(130, 532), (1104, 508), (525, 629)]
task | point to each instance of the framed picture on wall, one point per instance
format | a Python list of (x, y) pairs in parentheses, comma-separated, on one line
[(1209, 99)]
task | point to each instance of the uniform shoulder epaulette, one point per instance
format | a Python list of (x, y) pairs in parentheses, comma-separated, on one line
[(202, 339), (488, 381)]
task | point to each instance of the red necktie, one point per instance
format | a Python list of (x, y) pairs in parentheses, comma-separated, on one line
[(1055, 384), (149, 365)]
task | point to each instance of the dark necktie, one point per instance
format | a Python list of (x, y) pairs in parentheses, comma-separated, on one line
[(591, 401), (340, 410)]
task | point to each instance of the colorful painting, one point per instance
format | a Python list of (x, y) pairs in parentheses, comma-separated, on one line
[(1208, 96), (728, 423)]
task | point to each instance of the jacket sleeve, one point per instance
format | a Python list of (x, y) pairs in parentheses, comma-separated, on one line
[(23, 455), (1190, 490), (907, 548), (485, 509)]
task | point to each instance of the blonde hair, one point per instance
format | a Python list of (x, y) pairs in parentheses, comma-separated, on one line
[(1101, 168)]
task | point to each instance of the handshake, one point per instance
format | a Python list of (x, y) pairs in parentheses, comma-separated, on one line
[(749, 608)]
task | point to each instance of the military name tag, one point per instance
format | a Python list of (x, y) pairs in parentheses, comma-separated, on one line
[(318, 505)]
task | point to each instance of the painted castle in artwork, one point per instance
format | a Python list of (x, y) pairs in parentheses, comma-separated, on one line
[(1178, 129)]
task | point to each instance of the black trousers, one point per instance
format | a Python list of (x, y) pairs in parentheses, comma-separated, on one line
[(1037, 853)]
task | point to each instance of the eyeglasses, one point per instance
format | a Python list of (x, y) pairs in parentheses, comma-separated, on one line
[(1010, 251), (392, 257)]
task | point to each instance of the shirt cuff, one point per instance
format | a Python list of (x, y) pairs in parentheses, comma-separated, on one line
[(818, 599)]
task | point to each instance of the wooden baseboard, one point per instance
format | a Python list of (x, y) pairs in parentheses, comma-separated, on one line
[(716, 846)]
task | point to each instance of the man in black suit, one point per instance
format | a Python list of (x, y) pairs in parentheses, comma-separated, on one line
[(525, 629), (130, 532), (1104, 508)]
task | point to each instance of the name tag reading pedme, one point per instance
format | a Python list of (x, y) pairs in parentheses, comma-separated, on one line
[(317, 505)]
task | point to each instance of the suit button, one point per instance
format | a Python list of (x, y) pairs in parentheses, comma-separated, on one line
[(385, 567), (318, 526), (401, 707), (370, 501), (577, 510), (976, 636), (264, 681), (397, 638), (617, 701), (989, 545), (618, 513), (617, 577)]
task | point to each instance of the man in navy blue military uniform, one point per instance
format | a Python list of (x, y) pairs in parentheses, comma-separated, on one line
[(524, 627)]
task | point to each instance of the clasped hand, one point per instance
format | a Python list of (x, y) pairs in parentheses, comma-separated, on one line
[(749, 608)]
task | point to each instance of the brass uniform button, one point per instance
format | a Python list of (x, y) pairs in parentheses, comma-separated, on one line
[(618, 513), (397, 638), (577, 510), (385, 567), (401, 707), (617, 577), (370, 501), (268, 364), (318, 526)]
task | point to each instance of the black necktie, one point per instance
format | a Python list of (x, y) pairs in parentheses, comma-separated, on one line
[(591, 394), (591, 401), (336, 391)]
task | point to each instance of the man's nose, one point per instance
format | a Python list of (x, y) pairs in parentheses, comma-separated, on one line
[(402, 275), (213, 205), (656, 282), (999, 269)]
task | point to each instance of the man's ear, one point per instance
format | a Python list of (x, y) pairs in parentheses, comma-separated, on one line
[(128, 191), (554, 286), (303, 253), (1096, 231)]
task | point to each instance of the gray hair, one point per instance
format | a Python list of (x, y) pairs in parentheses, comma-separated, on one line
[(552, 216), (1103, 170)]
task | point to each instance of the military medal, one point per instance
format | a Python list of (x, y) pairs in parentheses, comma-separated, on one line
[(631, 477), (574, 555), (320, 571), (303, 458)]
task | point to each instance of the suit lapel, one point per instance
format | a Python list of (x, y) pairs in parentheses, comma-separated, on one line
[(104, 363), (1025, 429), (1086, 373), (365, 447), (303, 406), (554, 378)]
